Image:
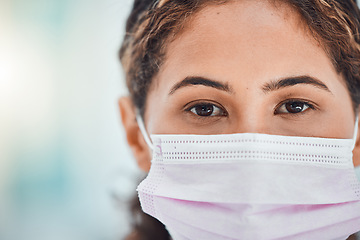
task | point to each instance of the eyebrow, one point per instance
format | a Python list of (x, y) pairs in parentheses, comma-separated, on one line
[(292, 81), (193, 81)]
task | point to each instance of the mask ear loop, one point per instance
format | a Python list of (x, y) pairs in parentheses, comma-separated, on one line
[(355, 132), (143, 131)]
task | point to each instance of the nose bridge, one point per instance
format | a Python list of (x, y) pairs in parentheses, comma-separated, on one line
[(251, 123), (253, 110), (252, 118)]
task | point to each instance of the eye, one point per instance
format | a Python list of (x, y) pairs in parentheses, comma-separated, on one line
[(293, 107), (207, 110)]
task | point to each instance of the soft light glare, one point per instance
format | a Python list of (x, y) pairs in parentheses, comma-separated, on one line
[(62, 152)]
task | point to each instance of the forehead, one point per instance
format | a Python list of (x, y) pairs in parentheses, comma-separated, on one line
[(243, 19), (238, 33), (241, 13)]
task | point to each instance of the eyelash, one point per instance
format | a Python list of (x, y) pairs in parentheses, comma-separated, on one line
[(309, 105), (201, 103)]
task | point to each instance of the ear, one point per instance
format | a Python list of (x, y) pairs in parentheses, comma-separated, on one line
[(356, 151), (134, 136)]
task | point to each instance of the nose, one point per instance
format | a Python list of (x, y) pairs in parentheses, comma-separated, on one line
[(254, 118), (252, 124)]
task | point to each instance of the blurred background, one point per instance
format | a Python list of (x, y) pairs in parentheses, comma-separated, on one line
[(65, 169)]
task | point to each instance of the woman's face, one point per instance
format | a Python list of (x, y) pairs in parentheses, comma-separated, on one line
[(248, 66)]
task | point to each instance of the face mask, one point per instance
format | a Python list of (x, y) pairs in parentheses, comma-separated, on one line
[(357, 172), (252, 186)]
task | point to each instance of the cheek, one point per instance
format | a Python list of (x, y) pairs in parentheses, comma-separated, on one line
[(341, 123), (342, 114)]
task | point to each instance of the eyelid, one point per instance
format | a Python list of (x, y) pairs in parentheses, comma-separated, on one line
[(310, 104), (192, 104), (203, 101)]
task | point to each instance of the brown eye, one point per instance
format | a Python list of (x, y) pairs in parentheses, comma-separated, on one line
[(203, 110), (293, 107), (207, 110)]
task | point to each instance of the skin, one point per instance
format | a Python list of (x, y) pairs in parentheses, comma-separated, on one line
[(244, 49)]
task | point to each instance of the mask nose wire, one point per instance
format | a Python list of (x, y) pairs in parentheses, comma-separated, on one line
[(143, 131)]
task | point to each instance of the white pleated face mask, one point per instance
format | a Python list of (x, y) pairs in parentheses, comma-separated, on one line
[(252, 186), (357, 172)]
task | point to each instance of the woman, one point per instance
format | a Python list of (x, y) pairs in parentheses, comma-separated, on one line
[(252, 107)]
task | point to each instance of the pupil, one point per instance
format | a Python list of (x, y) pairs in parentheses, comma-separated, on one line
[(294, 107), (204, 110)]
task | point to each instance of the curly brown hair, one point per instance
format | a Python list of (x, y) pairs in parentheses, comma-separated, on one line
[(333, 23), (148, 28), (153, 23)]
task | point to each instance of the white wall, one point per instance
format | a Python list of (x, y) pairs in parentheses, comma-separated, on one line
[(63, 154)]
